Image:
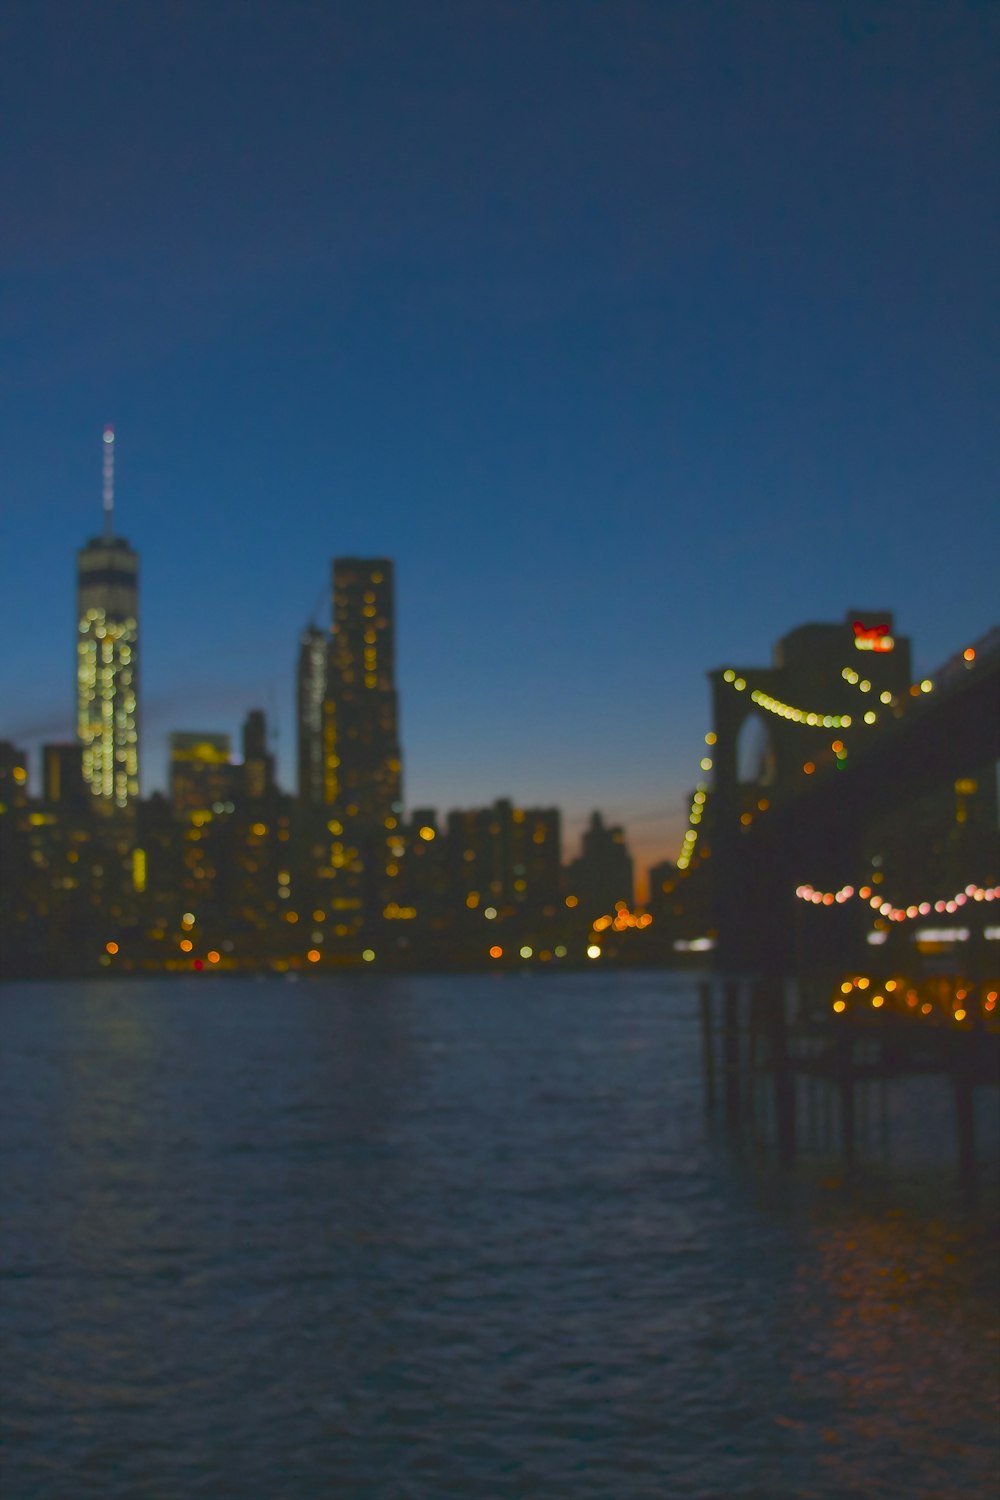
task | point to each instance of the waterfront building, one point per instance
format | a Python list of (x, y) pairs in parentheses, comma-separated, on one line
[(107, 658)]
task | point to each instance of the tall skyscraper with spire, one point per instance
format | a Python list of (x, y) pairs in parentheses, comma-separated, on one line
[(107, 656)]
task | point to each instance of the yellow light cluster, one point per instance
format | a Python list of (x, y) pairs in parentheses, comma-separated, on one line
[(950, 999), (106, 705), (695, 814), (697, 809), (787, 710)]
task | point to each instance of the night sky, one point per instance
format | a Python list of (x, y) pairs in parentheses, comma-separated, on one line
[(637, 333)]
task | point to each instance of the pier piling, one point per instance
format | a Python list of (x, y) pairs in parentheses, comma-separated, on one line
[(707, 1044), (731, 1052)]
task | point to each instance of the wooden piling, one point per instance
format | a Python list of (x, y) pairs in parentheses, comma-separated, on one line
[(844, 1059), (731, 1052), (783, 1079), (965, 1121), (707, 1044)]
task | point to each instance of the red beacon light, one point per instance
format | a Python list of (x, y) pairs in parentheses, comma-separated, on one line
[(872, 637)]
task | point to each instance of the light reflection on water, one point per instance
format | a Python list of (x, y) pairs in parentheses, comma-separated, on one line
[(464, 1236)]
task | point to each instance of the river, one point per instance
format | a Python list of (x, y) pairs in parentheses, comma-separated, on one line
[(466, 1236)]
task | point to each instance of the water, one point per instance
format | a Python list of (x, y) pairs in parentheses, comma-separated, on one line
[(424, 1237)]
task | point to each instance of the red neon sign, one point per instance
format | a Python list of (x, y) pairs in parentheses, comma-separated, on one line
[(872, 637)]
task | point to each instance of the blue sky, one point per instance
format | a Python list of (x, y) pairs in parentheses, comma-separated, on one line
[(637, 333)]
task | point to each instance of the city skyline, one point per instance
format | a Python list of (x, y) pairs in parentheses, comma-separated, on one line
[(345, 873), (288, 748), (345, 691), (500, 747), (691, 342)]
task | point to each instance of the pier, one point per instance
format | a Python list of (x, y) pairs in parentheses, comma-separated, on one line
[(787, 1067)]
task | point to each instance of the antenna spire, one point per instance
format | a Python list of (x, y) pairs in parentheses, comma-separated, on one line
[(109, 482)]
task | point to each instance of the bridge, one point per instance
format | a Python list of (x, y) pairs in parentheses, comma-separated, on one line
[(842, 765), (850, 811)]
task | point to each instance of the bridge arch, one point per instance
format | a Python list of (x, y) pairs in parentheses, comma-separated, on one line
[(756, 752), (742, 732)]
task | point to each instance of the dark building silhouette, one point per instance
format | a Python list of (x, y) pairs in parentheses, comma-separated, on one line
[(107, 658), (362, 687), (367, 848), (663, 880), (426, 890), (504, 856), (63, 785), (16, 904), (201, 771), (258, 782), (603, 874), (937, 842), (13, 777), (314, 721), (158, 860)]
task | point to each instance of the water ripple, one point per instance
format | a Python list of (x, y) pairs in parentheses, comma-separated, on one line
[(428, 1238)]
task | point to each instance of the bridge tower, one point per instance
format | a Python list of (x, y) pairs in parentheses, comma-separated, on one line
[(772, 725)]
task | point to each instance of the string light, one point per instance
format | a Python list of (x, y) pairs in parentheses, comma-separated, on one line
[(787, 710), (813, 719), (893, 913), (695, 814), (863, 685)]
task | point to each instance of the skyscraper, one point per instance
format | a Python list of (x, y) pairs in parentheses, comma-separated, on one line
[(201, 771), (258, 762), (366, 852), (107, 657), (603, 874), (317, 784), (362, 687)]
